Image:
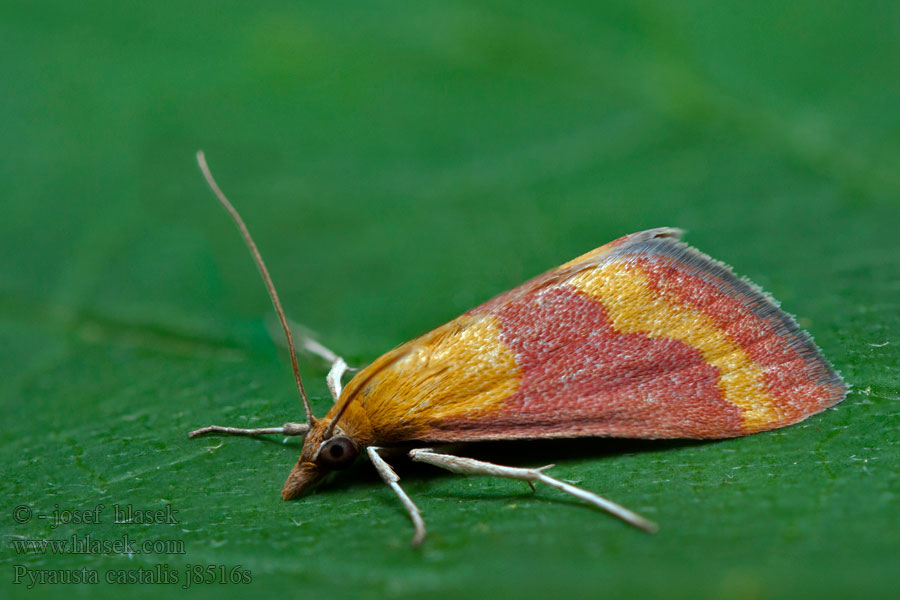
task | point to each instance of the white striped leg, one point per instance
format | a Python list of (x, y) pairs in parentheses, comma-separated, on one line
[(468, 466), (286, 429), (391, 478), (333, 379), (305, 340), (338, 366)]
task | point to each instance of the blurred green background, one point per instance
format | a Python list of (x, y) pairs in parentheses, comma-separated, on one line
[(399, 163)]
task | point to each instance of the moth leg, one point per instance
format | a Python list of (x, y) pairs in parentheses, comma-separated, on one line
[(333, 379), (286, 429), (338, 365), (469, 466), (391, 478)]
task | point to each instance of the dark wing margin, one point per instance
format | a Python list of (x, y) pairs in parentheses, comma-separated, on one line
[(694, 263)]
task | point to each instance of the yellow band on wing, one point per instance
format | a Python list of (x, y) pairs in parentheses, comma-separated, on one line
[(633, 307), (461, 369)]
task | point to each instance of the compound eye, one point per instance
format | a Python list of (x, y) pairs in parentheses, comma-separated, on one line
[(337, 453)]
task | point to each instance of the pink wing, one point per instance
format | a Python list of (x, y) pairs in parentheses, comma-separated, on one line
[(644, 337)]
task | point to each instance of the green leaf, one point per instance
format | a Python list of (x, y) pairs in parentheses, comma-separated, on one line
[(397, 164)]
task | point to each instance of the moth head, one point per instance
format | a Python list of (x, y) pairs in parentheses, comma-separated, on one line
[(336, 454), (320, 456)]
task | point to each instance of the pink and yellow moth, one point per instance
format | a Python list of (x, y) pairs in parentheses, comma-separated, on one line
[(643, 337)]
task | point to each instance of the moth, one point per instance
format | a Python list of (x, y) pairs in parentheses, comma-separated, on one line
[(644, 337)]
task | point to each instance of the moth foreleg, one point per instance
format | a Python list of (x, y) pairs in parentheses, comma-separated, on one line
[(391, 478), (333, 379), (338, 365), (469, 466), (286, 429)]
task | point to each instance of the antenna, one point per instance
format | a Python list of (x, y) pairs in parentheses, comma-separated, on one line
[(201, 160)]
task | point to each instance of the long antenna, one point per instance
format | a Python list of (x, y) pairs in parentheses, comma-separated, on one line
[(201, 160)]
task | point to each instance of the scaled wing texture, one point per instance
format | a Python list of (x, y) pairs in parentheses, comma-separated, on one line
[(644, 337)]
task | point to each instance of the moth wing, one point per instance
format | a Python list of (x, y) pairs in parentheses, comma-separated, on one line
[(644, 337)]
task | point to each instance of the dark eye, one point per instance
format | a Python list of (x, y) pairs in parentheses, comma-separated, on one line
[(337, 453)]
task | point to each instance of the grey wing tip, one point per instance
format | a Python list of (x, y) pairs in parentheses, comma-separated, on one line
[(666, 241), (672, 233)]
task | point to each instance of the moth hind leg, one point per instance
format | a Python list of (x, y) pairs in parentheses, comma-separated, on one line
[(469, 466)]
